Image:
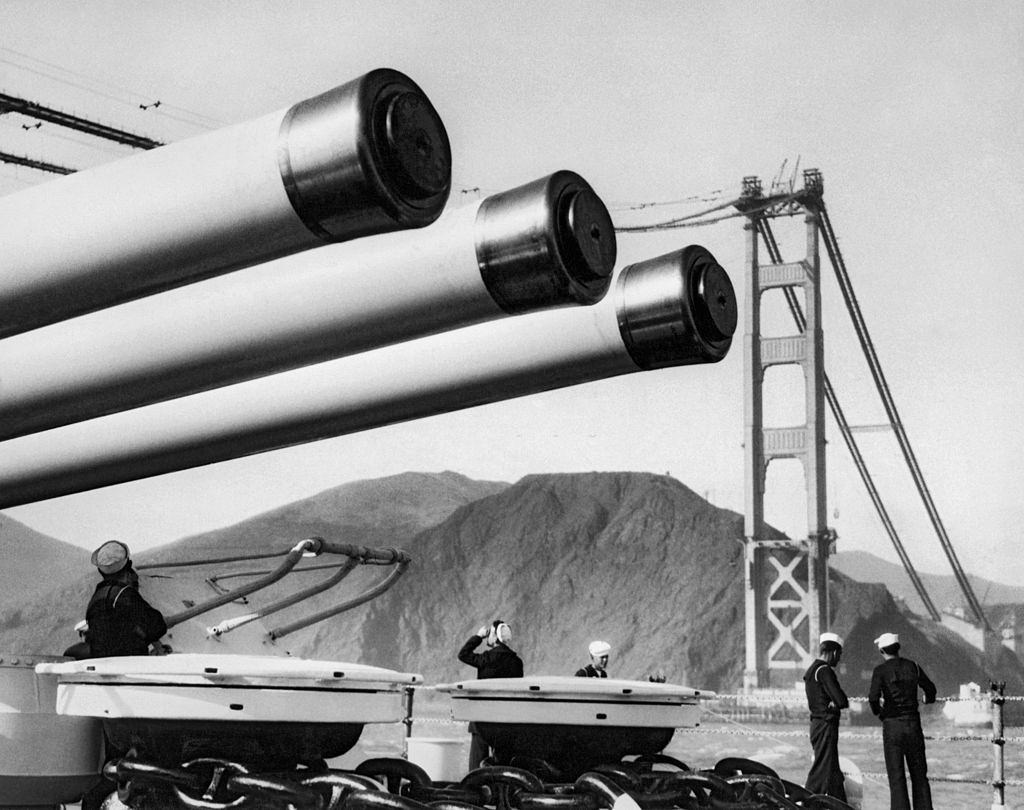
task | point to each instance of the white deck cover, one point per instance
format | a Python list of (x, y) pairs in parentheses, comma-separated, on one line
[(230, 687), (551, 699)]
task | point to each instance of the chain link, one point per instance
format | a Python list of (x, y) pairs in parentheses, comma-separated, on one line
[(216, 784)]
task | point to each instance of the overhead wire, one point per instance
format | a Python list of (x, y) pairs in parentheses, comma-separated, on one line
[(675, 224), (709, 196), (860, 326), (701, 218), (106, 89), (56, 132), (465, 188)]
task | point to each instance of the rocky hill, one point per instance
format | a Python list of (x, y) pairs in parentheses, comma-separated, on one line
[(639, 560), (381, 512)]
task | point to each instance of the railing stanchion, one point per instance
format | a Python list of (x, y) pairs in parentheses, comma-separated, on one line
[(998, 741), (407, 722)]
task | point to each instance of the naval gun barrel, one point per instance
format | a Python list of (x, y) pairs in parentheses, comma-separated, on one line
[(545, 244), (673, 310), (367, 157)]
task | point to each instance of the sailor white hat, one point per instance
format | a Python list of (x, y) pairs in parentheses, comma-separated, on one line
[(835, 639), (599, 648), (887, 639)]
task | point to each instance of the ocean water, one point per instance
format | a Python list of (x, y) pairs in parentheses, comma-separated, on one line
[(784, 747)]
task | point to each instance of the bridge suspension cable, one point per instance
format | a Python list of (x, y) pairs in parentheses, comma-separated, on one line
[(853, 307), (744, 205)]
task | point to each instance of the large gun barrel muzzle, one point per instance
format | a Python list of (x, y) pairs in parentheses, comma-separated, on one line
[(677, 309), (370, 156), (555, 223)]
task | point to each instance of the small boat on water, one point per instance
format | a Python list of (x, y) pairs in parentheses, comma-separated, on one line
[(972, 710)]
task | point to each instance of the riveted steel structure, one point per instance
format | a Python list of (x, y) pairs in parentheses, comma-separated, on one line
[(786, 579)]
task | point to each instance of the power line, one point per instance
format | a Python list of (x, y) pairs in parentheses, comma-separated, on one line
[(43, 166), (70, 136), (710, 196), (54, 116), (195, 119)]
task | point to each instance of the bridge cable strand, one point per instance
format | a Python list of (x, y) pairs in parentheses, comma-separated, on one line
[(860, 326), (701, 218)]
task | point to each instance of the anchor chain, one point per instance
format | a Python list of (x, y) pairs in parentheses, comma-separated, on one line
[(646, 783)]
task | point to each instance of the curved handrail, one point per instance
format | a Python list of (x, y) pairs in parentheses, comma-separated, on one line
[(291, 560), (355, 554), (214, 561), (228, 625), (355, 601)]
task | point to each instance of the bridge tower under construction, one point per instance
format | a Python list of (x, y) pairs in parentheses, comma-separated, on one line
[(786, 579)]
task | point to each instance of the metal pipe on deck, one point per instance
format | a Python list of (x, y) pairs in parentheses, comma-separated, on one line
[(545, 244), (673, 310), (370, 156), (292, 558)]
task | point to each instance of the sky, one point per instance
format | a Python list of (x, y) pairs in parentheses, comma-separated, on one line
[(911, 111)]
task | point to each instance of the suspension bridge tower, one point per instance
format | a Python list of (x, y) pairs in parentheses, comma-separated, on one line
[(786, 579)]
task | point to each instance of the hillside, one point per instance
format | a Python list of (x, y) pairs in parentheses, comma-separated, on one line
[(34, 563), (942, 589), (384, 511), (637, 559)]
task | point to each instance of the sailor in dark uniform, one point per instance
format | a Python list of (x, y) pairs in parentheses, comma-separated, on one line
[(599, 651), (498, 661), (826, 700), (120, 621), (893, 699)]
